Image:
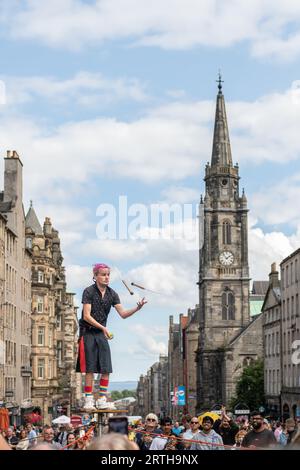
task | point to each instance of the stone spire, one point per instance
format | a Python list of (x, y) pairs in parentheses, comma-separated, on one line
[(32, 222), (221, 152)]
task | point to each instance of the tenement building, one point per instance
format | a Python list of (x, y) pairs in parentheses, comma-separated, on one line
[(54, 322), (272, 343), (290, 334), (229, 338), (15, 291), (2, 302), (152, 390)]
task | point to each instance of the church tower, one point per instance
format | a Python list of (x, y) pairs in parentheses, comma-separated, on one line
[(224, 271)]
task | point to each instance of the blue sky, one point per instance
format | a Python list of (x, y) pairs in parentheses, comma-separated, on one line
[(117, 97)]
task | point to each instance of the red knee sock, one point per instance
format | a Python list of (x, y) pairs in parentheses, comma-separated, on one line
[(103, 387)]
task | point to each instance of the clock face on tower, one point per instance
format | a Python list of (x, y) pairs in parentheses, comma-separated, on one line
[(226, 258)]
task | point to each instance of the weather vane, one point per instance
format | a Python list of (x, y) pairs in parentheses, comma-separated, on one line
[(220, 81)]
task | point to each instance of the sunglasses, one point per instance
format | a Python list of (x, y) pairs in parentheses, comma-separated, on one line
[(151, 419), (194, 422)]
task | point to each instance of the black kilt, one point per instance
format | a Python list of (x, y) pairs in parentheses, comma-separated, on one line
[(93, 352)]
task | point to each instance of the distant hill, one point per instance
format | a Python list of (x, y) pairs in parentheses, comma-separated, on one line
[(119, 386)]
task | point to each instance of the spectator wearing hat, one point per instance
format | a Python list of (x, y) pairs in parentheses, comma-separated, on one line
[(207, 437)]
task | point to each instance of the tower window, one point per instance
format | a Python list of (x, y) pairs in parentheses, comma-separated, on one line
[(228, 305), (226, 233)]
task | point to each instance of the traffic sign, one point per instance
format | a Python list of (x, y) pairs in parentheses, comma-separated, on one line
[(241, 409), (76, 420)]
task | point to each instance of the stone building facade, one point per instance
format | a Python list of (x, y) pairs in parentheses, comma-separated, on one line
[(191, 339), (16, 304), (175, 363), (272, 343), (2, 302), (54, 322), (228, 338), (152, 390), (290, 334)]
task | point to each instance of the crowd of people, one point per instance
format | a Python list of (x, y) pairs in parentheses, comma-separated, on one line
[(31, 437), (227, 432), (192, 433)]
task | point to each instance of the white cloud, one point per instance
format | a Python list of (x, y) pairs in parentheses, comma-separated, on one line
[(276, 205), (274, 246), (78, 277), (85, 88), (270, 26), (147, 343), (176, 93), (175, 285), (169, 143), (72, 223), (180, 194), (149, 149), (114, 250)]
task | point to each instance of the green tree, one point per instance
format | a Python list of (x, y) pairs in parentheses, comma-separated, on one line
[(118, 395), (250, 386), (129, 393)]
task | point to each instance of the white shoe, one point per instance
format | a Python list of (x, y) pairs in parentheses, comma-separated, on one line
[(89, 404), (102, 403)]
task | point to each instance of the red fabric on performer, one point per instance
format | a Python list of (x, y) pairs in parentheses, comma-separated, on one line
[(82, 355)]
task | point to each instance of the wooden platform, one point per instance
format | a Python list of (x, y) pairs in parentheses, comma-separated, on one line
[(105, 410)]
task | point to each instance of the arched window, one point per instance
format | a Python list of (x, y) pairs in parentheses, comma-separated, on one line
[(226, 233), (228, 307)]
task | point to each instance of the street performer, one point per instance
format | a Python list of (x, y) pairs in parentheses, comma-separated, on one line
[(94, 352)]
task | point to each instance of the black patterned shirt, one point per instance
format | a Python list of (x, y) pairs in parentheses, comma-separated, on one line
[(100, 306)]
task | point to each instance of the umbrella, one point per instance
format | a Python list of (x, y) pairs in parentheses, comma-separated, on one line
[(63, 419), (213, 415)]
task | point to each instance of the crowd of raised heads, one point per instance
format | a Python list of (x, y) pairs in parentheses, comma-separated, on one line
[(204, 432)]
